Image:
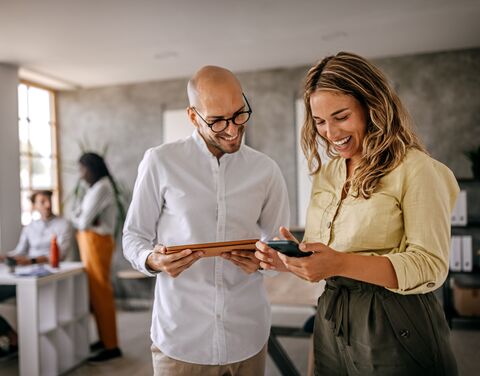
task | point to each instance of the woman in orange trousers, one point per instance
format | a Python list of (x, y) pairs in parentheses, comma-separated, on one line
[(95, 221)]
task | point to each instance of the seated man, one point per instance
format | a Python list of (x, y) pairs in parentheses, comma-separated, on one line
[(34, 244)]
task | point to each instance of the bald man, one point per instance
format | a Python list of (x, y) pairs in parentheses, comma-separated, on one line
[(211, 315)]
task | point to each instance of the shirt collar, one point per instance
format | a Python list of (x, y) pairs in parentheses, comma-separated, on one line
[(49, 219), (204, 149)]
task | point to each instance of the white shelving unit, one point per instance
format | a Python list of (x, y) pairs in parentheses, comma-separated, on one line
[(52, 319)]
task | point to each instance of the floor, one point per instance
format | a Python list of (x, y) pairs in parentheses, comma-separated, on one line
[(287, 310), (134, 338)]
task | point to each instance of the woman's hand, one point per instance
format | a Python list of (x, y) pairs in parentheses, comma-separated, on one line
[(322, 264), (268, 257)]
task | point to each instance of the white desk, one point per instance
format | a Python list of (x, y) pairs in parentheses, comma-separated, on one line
[(52, 319)]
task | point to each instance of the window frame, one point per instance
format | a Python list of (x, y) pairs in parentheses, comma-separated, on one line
[(55, 150)]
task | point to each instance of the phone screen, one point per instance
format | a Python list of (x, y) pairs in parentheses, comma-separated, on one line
[(288, 248)]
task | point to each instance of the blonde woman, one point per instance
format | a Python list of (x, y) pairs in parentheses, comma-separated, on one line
[(378, 224)]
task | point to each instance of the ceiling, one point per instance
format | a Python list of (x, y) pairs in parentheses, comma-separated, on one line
[(71, 43)]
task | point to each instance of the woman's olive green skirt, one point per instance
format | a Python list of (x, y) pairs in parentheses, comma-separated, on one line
[(363, 329)]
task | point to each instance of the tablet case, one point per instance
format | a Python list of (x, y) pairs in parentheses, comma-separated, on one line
[(216, 248)]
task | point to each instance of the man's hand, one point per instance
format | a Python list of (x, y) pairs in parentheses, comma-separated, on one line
[(22, 260), (245, 260), (3, 257), (173, 264)]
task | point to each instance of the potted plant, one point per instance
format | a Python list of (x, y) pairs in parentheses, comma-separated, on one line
[(474, 156)]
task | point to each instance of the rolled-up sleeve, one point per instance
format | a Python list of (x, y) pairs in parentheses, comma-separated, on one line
[(140, 229), (421, 262), (22, 246)]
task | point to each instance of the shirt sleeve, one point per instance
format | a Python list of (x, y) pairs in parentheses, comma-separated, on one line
[(276, 208), (421, 262), (23, 244), (140, 229), (93, 204)]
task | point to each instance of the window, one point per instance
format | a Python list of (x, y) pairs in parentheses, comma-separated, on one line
[(38, 146)]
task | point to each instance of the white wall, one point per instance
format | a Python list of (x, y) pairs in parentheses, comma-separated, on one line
[(304, 180), (176, 125), (9, 159)]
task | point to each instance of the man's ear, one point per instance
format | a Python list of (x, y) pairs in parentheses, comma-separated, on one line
[(192, 116)]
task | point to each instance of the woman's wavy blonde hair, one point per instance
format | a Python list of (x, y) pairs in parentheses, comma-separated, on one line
[(389, 131)]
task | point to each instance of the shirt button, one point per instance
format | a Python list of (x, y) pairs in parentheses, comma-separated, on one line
[(329, 224), (404, 333), (430, 284), (218, 316)]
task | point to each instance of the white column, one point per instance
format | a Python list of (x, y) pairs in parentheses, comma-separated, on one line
[(10, 212)]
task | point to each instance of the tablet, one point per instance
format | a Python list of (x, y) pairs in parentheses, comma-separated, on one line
[(216, 248)]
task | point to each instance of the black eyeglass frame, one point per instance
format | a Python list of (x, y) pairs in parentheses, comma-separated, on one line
[(227, 121)]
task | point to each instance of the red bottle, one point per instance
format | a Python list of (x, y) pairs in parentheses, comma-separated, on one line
[(54, 253)]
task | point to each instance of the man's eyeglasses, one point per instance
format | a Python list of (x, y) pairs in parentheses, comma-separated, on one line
[(239, 118)]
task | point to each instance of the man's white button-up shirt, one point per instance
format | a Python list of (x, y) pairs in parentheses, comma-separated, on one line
[(213, 312)]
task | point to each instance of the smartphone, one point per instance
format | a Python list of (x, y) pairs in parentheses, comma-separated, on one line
[(288, 248)]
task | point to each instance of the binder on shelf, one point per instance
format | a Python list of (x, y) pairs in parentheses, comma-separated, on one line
[(456, 254), (459, 213), (467, 257)]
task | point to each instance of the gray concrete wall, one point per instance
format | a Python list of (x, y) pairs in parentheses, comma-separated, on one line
[(441, 90), (442, 93), (10, 212)]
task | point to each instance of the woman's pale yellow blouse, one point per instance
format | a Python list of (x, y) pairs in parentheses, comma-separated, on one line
[(407, 219)]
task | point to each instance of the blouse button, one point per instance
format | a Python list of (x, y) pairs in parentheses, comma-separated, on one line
[(404, 333), (430, 284)]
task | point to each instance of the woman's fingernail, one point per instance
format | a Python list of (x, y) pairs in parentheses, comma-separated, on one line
[(302, 246)]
